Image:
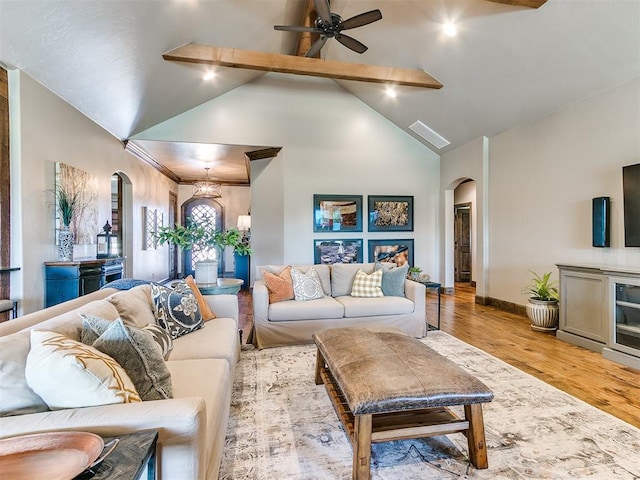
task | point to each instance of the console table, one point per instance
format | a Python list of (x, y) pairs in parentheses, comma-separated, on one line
[(68, 280)]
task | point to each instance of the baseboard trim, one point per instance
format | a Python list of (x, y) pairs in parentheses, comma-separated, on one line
[(447, 290), (473, 283), (502, 305)]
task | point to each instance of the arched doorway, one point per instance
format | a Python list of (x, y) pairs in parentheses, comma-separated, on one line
[(201, 210), (122, 217)]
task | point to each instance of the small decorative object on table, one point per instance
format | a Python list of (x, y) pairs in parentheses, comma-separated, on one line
[(414, 273)]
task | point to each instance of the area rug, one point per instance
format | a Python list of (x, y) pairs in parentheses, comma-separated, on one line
[(283, 427)]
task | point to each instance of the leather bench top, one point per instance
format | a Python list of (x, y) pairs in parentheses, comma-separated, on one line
[(385, 370)]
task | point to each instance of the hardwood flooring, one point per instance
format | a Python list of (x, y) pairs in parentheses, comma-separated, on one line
[(582, 373)]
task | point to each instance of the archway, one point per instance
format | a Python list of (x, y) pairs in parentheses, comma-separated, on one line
[(202, 209)]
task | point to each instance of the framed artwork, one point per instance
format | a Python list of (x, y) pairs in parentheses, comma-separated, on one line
[(398, 251), (78, 182), (389, 213), (327, 252), (337, 213)]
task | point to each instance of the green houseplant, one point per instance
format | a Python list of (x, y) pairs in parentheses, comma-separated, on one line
[(203, 235), (414, 273), (542, 307), (68, 202)]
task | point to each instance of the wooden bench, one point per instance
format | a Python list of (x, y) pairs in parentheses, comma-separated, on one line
[(386, 385)]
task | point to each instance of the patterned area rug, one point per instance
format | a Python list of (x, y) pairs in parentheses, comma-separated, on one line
[(283, 427)]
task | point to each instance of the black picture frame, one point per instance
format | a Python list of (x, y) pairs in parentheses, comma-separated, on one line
[(380, 249), (390, 213), (337, 213), (338, 250)]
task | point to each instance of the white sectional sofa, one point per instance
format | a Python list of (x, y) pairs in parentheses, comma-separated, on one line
[(192, 425), (293, 322)]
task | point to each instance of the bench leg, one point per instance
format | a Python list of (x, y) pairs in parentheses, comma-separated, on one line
[(475, 436), (362, 447), (319, 367)]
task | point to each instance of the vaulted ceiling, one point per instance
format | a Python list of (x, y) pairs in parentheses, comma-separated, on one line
[(507, 65)]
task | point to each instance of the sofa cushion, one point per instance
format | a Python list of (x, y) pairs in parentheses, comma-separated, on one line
[(176, 311), (322, 308), (205, 309), (280, 286), (69, 374), (393, 280), (134, 306), (367, 285), (371, 307), (161, 337), (342, 275), (135, 350), (306, 286)]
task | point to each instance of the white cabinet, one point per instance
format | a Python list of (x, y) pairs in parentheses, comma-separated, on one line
[(624, 334)]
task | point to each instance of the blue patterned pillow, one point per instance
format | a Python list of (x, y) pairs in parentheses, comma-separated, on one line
[(176, 310)]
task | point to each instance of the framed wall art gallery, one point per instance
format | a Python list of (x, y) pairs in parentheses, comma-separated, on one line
[(390, 213), (398, 251), (337, 213), (338, 250)]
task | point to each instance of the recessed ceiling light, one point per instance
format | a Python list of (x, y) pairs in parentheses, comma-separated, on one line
[(450, 29), (209, 75), (391, 92)]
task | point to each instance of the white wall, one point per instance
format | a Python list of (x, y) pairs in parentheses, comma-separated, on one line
[(332, 143), (543, 177), (45, 130)]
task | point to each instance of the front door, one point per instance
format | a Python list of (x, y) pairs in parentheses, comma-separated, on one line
[(462, 248)]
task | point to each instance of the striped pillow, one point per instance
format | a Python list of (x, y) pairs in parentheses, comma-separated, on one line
[(367, 285)]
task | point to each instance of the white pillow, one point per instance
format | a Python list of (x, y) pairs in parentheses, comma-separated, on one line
[(70, 374), (367, 285), (306, 286)]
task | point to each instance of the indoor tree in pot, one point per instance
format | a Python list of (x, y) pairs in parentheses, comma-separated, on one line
[(203, 235), (542, 308)]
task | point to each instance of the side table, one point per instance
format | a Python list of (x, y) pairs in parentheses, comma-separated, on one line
[(436, 286), (133, 456), (224, 286)]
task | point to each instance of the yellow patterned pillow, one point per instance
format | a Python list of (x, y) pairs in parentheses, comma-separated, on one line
[(69, 374)]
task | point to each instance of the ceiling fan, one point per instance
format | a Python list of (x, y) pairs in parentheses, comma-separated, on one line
[(330, 25)]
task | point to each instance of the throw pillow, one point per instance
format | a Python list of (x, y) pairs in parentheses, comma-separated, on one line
[(367, 285), (393, 281), (176, 310), (69, 374), (134, 306), (161, 337), (306, 286), (207, 314), (280, 286), (135, 350)]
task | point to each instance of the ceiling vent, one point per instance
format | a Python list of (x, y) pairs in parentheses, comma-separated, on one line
[(431, 136)]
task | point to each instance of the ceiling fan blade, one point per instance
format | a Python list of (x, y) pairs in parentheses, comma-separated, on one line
[(351, 43), (316, 47), (294, 28), (362, 19), (323, 11)]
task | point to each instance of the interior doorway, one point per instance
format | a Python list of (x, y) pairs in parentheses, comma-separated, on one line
[(122, 217), (462, 242)]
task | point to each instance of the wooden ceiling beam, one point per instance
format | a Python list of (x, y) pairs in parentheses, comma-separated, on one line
[(274, 62), (522, 3), (306, 39)]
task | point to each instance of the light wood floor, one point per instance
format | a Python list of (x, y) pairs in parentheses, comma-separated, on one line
[(606, 385)]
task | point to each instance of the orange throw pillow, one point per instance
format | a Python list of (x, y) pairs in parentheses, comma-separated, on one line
[(280, 286), (207, 314)]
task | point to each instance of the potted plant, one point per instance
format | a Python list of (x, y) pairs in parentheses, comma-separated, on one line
[(542, 308), (68, 203), (205, 237), (414, 273)]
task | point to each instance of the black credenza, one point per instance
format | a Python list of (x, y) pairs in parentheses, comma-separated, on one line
[(68, 280)]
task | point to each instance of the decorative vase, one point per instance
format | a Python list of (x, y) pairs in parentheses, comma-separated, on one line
[(543, 314), (206, 272), (65, 244)]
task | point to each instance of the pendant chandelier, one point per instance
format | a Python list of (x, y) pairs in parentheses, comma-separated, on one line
[(207, 188)]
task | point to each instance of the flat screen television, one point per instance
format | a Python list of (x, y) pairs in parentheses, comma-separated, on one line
[(631, 195)]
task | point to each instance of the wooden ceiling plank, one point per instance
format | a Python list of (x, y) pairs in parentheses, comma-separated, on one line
[(522, 3), (274, 62), (306, 39)]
